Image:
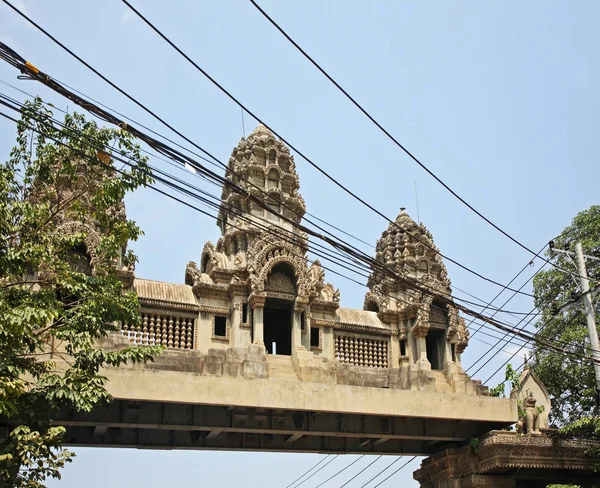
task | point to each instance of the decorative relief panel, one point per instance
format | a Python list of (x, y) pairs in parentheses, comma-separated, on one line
[(162, 329), (361, 351), (279, 282), (438, 317)]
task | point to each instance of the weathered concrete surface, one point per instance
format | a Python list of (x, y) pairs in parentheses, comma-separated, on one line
[(180, 387)]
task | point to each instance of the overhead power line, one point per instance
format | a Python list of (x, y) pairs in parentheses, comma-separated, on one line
[(387, 133), (94, 109), (308, 471), (315, 472), (213, 202), (337, 473), (25, 67), (355, 462), (377, 475), (295, 149)]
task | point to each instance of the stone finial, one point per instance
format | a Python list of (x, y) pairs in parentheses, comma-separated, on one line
[(260, 130)]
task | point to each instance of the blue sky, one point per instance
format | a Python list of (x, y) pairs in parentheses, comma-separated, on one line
[(500, 99)]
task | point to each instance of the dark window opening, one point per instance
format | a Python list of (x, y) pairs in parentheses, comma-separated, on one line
[(244, 313), (434, 343), (314, 337), (220, 326), (373, 307), (302, 322), (403, 347), (278, 326), (453, 349)]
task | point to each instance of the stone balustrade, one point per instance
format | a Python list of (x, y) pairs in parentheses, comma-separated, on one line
[(361, 351), (165, 329)]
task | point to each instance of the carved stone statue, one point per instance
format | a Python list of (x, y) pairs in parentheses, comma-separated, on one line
[(535, 401), (531, 420)]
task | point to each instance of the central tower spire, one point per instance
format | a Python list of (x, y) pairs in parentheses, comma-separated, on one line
[(262, 166)]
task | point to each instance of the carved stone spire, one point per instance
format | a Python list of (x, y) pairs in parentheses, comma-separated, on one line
[(408, 248), (264, 167)]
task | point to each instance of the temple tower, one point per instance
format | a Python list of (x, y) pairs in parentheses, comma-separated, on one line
[(261, 255), (430, 332)]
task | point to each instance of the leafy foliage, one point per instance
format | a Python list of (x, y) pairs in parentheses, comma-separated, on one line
[(56, 300), (586, 428), (511, 377), (569, 381)]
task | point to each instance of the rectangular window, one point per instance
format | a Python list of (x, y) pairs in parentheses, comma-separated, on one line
[(244, 313), (453, 348), (220, 326), (403, 348), (314, 337), (302, 322)]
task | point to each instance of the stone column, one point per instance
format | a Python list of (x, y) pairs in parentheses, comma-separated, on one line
[(235, 322), (307, 338), (257, 302), (296, 332), (448, 353), (257, 317), (300, 306), (237, 294), (395, 349), (422, 361)]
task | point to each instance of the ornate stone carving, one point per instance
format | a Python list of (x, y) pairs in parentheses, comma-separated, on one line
[(535, 400), (315, 277), (263, 256), (375, 296), (422, 323), (407, 248), (195, 278), (330, 294), (279, 282), (530, 423), (91, 236), (521, 459)]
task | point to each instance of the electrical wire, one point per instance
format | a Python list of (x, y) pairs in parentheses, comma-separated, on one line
[(495, 323), (341, 471), (36, 74), (324, 466), (395, 471), (387, 133), (308, 471), (381, 472), (362, 470), (330, 461), (369, 465), (301, 154)]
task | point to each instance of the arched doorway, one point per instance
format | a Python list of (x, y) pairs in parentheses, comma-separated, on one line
[(279, 309)]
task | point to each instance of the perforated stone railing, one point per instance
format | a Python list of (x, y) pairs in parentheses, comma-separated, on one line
[(361, 351), (162, 329)]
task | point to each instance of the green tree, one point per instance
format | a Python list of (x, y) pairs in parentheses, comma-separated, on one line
[(56, 301), (569, 380)]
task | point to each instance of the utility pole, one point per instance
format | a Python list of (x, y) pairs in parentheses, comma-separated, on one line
[(590, 317)]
